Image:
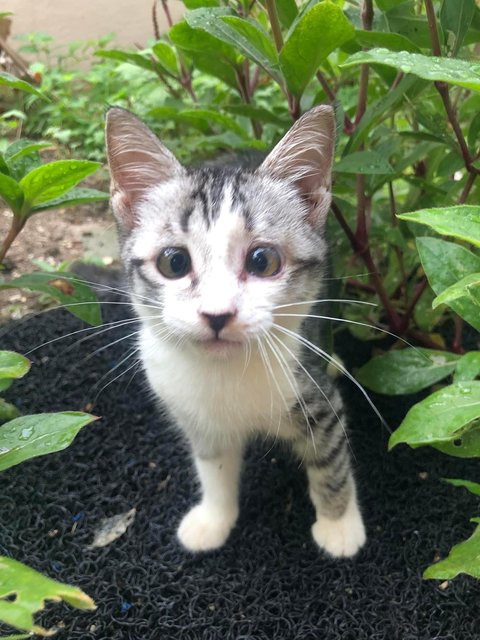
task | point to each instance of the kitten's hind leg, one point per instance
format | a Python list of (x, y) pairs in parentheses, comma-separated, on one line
[(207, 525), (339, 528)]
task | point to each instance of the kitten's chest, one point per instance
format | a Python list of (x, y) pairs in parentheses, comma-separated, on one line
[(238, 393)]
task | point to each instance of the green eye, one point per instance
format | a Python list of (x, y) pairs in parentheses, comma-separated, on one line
[(263, 262), (174, 262)]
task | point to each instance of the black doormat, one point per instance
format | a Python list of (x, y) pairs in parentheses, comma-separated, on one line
[(270, 580)]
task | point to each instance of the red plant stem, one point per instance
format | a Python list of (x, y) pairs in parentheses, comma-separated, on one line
[(467, 188), (432, 25), (419, 289), (367, 20), (156, 29), (15, 228), (348, 125), (457, 340), (166, 11), (244, 89), (362, 286)]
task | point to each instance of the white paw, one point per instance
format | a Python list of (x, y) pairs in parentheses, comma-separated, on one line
[(342, 537), (202, 529)]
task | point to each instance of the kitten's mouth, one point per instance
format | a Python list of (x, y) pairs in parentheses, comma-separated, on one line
[(218, 345)]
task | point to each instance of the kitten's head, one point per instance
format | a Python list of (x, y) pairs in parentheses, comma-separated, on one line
[(212, 254)]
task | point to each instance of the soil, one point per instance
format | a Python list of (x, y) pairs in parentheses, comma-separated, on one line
[(85, 232)]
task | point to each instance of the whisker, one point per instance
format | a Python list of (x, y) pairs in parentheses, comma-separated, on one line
[(326, 356), (294, 304)]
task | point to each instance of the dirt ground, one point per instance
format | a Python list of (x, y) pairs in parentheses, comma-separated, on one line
[(85, 232)]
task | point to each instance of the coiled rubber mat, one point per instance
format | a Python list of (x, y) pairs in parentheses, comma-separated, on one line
[(269, 581)]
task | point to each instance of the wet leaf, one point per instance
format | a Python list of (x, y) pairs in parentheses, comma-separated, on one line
[(77, 195), (54, 179), (31, 590), (38, 434), (13, 365), (462, 221), (463, 558), (406, 371), (367, 162), (445, 416), (317, 32), (460, 73), (445, 263)]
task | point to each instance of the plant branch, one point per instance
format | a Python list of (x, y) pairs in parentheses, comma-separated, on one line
[(275, 23), (467, 188), (15, 228), (419, 289), (432, 25), (367, 20)]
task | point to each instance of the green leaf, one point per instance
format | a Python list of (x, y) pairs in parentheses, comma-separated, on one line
[(137, 59), (14, 83), (461, 221), (451, 70), (455, 19), (445, 263), (166, 57), (12, 193), (65, 287), (406, 371), (445, 416), (365, 162), (54, 179), (287, 12), (198, 45), (7, 411), (466, 287), (77, 195), (318, 32), (13, 365), (392, 41), (463, 558), (468, 367), (473, 487), (30, 590), (38, 434), (24, 147), (258, 113)]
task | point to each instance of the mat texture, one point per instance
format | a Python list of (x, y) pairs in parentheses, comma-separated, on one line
[(269, 581)]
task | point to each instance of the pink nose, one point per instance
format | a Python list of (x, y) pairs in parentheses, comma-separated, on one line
[(217, 321)]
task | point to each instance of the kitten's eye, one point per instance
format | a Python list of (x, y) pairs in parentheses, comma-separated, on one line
[(174, 262), (263, 262)]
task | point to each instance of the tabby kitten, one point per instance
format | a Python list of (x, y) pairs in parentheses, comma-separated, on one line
[(225, 266)]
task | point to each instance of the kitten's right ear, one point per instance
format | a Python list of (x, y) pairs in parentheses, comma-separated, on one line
[(137, 162)]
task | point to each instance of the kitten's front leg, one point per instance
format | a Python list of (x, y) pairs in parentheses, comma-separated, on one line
[(207, 525), (323, 447)]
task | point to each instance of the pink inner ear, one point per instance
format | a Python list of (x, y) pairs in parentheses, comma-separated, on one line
[(305, 156), (137, 161)]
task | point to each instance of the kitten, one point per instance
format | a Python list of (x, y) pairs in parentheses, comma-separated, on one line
[(225, 266)]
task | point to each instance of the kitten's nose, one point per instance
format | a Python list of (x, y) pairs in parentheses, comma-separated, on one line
[(217, 321)]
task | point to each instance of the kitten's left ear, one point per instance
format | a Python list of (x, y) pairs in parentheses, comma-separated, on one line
[(137, 161), (304, 157)]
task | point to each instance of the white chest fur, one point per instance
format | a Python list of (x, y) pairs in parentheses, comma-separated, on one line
[(232, 395)]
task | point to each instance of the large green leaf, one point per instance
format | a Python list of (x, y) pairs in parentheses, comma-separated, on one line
[(466, 287), (13, 365), (38, 434), (445, 263), (199, 44), (136, 59), (451, 70), (445, 416), (406, 371), (244, 36), (14, 83), (460, 221), (77, 195), (463, 558), (12, 193), (367, 162), (65, 287), (54, 179), (318, 32), (24, 591), (455, 18)]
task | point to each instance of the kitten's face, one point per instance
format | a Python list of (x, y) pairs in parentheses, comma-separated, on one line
[(213, 254)]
